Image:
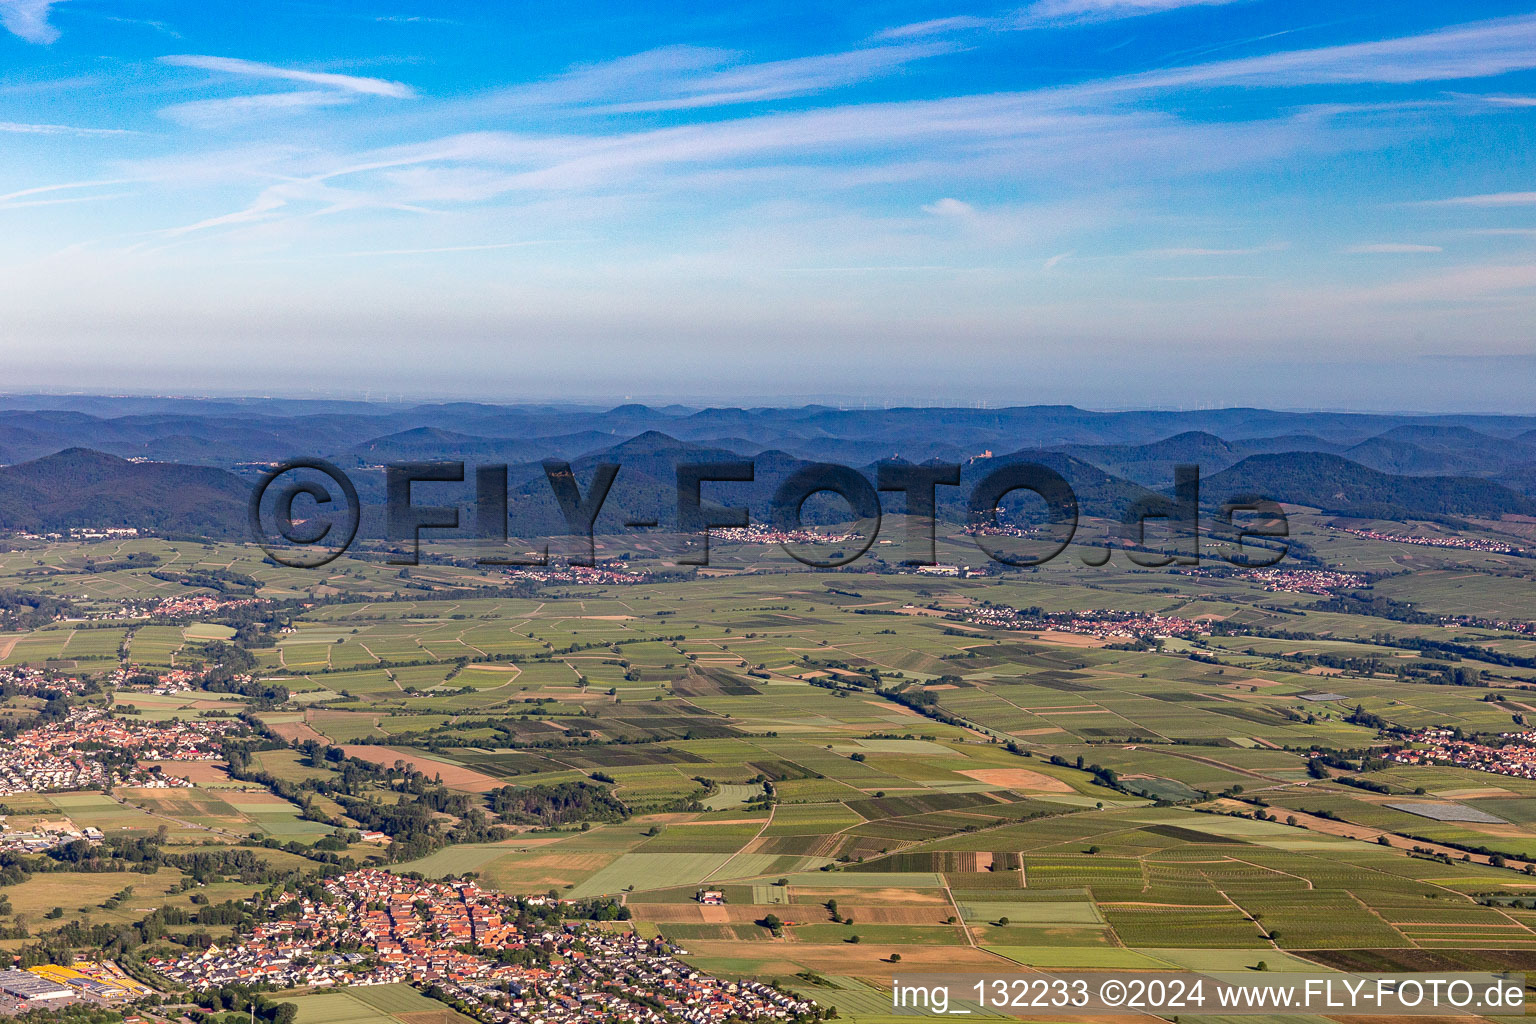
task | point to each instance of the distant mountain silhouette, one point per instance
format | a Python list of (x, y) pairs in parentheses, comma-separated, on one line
[(645, 488), (434, 444), (234, 432), (1335, 484), (1289, 443), (1098, 493), (18, 444), (1152, 464), (1425, 450), (81, 487), (1520, 477), (67, 454)]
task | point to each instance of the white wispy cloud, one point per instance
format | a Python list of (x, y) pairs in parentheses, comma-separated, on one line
[(158, 26), (1008, 131), (1046, 12), (1508, 101), (414, 19), (1474, 50), (29, 19), (937, 26), (61, 200), (219, 110), (1389, 248), (688, 77), (1009, 134), (1082, 134), (255, 69), (18, 128), (50, 195), (38, 190), (1488, 199), (1458, 52), (315, 196), (950, 208)]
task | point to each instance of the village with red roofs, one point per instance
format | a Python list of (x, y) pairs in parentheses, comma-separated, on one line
[(510, 958)]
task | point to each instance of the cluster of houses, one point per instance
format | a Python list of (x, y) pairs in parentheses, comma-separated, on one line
[(201, 604), (1105, 624), (199, 739), (606, 574), (1497, 547), (1516, 756), (1001, 528), (84, 533), (1304, 581), (1526, 626), (35, 680), (103, 532), (761, 533), (69, 754), (177, 607), (167, 681), (375, 927)]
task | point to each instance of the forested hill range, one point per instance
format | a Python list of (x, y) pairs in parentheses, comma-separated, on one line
[(185, 465), (225, 432)]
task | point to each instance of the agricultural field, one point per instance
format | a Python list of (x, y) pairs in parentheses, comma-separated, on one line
[(867, 757), (393, 1004)]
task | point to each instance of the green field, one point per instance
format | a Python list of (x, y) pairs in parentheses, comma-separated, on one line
[(396, 1003), (964, 795)]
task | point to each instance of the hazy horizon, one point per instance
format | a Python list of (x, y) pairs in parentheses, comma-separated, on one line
[(601, 402)]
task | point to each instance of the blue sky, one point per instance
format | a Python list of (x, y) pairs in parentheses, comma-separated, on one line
[(1106, 202)]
